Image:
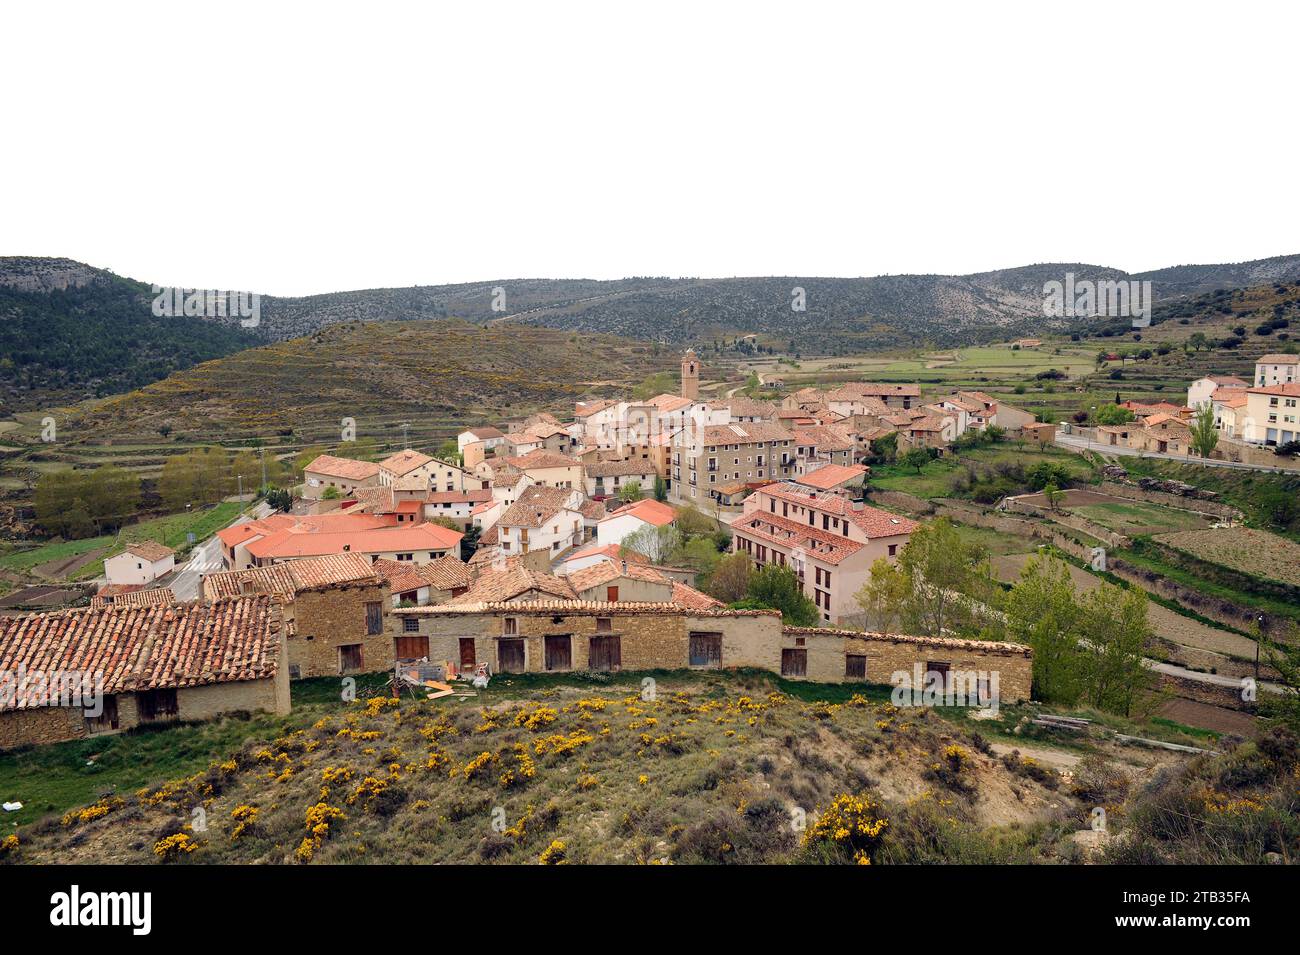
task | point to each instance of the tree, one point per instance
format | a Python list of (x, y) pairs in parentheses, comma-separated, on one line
[(1205, 433), (469, 543), (629, 492), (776, 587), (1283, 655), (79, 503), (949, 581), (1198, 340), (1114, 631), (660, 489), (916, 458), (883, 598), (1113, 414), (656, 543), (279, 499), (449, 451), (1041, 612), (331, 493), (693, 522), (730, 579), (1053, 495)]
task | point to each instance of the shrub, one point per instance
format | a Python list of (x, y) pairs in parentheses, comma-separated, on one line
[(848, 830)]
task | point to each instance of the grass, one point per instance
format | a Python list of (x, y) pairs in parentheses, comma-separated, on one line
[(1134, 518), (705, 769), (936, 477), (170, 530), (1148, 559), (996, 543)]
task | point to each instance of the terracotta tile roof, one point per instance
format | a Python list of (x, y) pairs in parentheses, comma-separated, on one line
[(445, 573), (824, 438), (593, 510), (143, 648), (743, 432), (687, 596), (669, 403), (411, 482), (872, 405), (135, 598), (979, 396), (926, 423), (149, 550), (823, 545), (648, 510), (346, 468), (1227, 381), (620, 468), (951, 643), (292, 577), (1230, 397), (606, 570), (575, 607), (606, 550), (1290, 389), (475, 496), (404, 462), (872, 520), (584, 409), (372, 500), (545, 429), (831, 475), (1162, 418), (516, 579), (541, 458), (294, 543), (742, 407), (1277, 359), (970, 406), (486, 432), (535, 506)]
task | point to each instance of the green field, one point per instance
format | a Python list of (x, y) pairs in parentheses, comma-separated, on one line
[(936, 477), (170, 530), (1135, 518)]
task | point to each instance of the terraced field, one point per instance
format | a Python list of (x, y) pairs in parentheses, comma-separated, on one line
[(1245, 549)]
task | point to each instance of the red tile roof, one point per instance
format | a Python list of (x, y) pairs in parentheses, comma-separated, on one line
[(872, 520), (138, 597), (404, 462), (345, 468), (541, 458), (831, 475), (445, 573), (648, 510), (151, 551), (823, 545), (293, 543), (292, 577), (143, 648), (604, 571)]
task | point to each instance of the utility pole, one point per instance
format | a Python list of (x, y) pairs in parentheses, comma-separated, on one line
[(240, 479), (262, 455), (406, 437)]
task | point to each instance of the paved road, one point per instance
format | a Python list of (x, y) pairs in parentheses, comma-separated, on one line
[(1073, 442), (205, 559)]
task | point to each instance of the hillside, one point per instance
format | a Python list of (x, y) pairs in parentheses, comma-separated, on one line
[(441, 373), (720, 767), (53, 308), (69, 332)]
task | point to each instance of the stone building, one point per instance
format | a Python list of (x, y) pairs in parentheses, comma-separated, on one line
[(568, 635), (71, 674)]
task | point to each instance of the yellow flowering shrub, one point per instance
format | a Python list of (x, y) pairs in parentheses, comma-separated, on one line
[(552, 854), (535, 717), (8, 845), (849, 829), (476, 765), (94, 811), (245, 817), (319, 819), (174, 847), (560, 744)]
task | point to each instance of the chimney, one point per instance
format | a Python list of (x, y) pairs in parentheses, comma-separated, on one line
[(625, 567), (857, 505)]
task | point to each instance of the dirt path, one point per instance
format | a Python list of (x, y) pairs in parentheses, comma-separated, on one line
[(1056, 758), (1166, 623), (65, 567)]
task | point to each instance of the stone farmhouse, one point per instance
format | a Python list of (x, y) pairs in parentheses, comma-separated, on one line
[(70, 674)]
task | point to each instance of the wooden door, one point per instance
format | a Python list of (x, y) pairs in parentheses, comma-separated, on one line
[(467, 657), (611, 595), (559, 652), (413, 647), (706, 649), (606, 653), (794, 662), (510, 655)]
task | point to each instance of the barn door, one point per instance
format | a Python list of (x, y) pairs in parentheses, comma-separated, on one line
[(559, 652), (510, 655), (606, 653)]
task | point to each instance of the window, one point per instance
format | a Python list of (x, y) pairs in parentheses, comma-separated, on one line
[(604, 625), (510, 625), (374, 617), (412, 648), (156, 704), (351, 658), (410, 625), (893, 550), (706, 650), (794, 662), (855, 666), (611, 595)]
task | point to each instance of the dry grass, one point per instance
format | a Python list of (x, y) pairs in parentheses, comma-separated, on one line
[(711, 769), (1245, 549)]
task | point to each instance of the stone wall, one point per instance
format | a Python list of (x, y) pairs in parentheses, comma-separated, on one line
[(326, 619), (1129, 492), (654, 640)]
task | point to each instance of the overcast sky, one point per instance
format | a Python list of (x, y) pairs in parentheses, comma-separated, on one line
[(299, 149)]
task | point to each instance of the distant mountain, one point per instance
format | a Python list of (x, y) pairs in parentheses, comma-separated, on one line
[(82, 330), (69, 332)]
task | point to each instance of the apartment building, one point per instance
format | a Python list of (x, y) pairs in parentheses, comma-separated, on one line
[(710, 457)]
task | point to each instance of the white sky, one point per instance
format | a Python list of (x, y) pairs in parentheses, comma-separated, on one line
[(291, 149)]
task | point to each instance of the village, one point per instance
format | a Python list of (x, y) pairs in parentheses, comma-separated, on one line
[(545, 545)]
